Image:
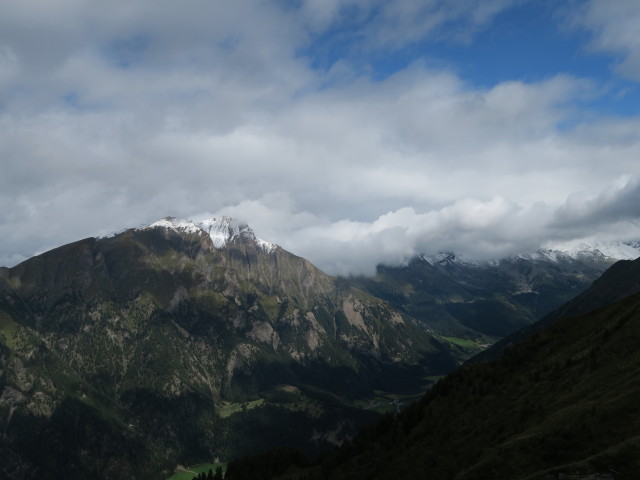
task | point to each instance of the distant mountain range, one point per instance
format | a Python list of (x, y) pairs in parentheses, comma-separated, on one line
[(475, 303), (182, 341), (581, 250)]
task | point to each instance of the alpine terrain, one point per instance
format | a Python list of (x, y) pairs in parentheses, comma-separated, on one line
[(182, 342), (475, 303), (123, 356), (562, 405)]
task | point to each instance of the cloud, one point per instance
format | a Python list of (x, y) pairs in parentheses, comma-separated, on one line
[(393, 25), (614, 26), (491, 229), (138, 110), (406, 21), (618, 203)]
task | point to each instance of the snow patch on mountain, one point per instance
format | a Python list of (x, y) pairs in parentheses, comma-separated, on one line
[(177, 224), (222, 230)]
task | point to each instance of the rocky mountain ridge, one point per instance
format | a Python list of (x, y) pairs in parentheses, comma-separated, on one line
[(172, 343)]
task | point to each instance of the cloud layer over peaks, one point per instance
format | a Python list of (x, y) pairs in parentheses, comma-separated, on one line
[(482, 230)]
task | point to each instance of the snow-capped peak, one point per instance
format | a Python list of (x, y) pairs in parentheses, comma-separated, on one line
[(612, 249), (222, 230)]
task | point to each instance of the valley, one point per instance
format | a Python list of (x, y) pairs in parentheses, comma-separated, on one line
[(562, 404)]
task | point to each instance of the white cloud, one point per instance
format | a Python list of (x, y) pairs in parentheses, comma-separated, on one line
[(140, 110), (614, 25), (479, 229)]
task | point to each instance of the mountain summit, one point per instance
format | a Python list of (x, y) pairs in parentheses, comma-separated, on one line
[(222, 230)]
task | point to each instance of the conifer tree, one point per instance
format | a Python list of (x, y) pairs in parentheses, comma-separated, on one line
[(218, 475)]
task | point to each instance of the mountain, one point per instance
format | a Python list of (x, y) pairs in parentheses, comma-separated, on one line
[(184, 341), (618, 282), (474, 303), (562, 405)]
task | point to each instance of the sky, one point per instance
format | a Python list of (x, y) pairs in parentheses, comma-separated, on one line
[(349, 132)]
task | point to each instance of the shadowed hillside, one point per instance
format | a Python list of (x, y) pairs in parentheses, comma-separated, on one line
[(564, 404)]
